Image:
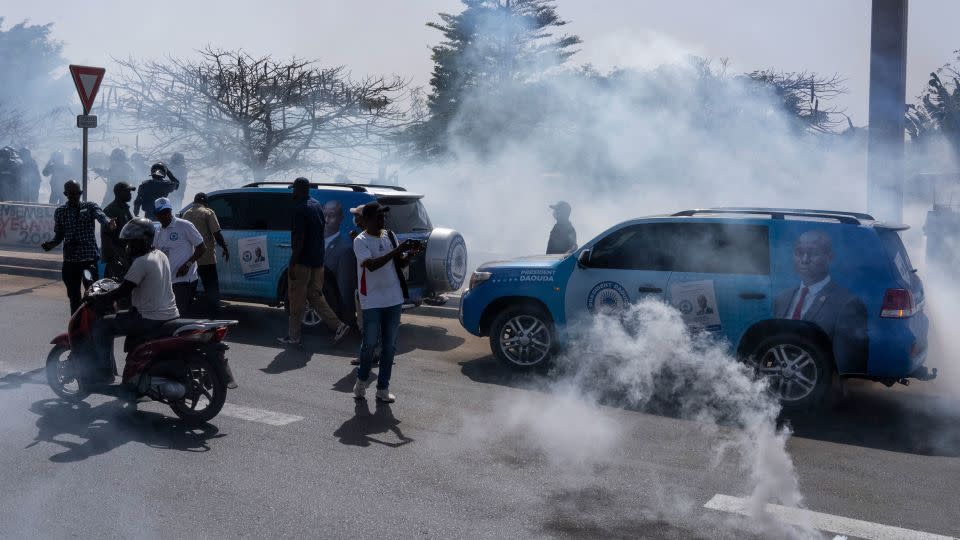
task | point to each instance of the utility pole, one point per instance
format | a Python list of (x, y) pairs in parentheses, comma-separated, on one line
[(888, 89)]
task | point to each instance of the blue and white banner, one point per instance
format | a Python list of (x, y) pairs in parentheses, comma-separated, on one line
[(254, 260)]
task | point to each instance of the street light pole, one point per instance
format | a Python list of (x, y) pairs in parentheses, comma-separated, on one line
[(888, 88)]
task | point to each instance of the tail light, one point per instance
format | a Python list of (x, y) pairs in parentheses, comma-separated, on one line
[(898, 304), (196, 335), (219, 334)]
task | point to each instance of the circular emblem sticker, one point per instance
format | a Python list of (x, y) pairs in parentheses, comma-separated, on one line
[(607, 297), (174, 236), (247, 256), (685, 307)]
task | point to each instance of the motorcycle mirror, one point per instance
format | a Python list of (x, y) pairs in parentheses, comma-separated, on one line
[(88, 275)]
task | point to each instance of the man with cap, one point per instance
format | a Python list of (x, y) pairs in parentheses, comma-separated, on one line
[(160, 185), (563, 237), (380, 258), (114, 256), (183, 245), (205, 220), (73, 225), (305, 268)]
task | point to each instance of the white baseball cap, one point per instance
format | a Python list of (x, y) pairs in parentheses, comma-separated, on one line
[(162, 204)]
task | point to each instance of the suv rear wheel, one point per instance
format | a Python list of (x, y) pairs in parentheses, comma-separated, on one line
[(799, 370), (522, 337)]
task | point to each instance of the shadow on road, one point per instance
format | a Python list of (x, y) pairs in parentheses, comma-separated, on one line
[(108, 426), (262, 325), (13, 381), (360, 430), (895, 420), (870, 415)]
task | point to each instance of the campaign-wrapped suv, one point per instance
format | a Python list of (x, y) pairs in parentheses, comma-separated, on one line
[(806, 296), (256, 221)]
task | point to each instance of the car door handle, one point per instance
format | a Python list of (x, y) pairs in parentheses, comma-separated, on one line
[(753, 295), (284, 245), (651, 290)]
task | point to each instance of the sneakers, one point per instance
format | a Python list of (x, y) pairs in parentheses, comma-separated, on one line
[(341, 332), (360, 388), (288, 341), (384, 396)]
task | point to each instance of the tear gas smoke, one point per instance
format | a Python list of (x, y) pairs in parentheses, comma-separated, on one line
[(648, 359)]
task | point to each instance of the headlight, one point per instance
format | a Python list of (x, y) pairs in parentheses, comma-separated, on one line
[(478, 278)]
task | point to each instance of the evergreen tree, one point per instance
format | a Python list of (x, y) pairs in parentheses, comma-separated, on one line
[(490, 45)]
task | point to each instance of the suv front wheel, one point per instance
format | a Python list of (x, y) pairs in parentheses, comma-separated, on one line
[(522, 337), (797, 368)]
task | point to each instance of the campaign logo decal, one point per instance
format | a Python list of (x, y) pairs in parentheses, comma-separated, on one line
[(607, 297)]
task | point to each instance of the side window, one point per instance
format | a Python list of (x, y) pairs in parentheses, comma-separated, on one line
[(268, 211), (719, 248), (637, 247), (226, 207)]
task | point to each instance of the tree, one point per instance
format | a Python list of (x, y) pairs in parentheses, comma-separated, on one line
[(29, 51), (269, 116), (800, 95), (490, 45), (938, 113)]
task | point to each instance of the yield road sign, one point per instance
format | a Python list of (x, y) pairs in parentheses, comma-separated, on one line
[(87, 80)]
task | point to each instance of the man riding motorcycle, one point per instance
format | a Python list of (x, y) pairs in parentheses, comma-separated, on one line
[(149, 285)]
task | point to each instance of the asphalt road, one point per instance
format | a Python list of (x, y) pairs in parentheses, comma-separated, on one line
[(295, 456)]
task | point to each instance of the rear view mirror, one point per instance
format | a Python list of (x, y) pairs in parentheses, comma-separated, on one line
[(583, 260), (88, 275)]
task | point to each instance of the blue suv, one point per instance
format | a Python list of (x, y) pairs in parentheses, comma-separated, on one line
[(806, 296), (256, 218)]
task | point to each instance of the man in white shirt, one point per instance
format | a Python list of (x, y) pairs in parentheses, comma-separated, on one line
[(182, 243), (379, 259), (147, 283)]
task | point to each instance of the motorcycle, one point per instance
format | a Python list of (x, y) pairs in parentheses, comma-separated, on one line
[(181, 363)]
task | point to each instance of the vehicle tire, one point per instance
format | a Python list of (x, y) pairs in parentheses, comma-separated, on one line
[(523, 337), (800, 370), (445, 261), (61, 375), (204, 387)]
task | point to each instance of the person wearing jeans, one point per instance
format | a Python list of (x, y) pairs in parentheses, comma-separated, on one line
[(73, 225), (379, 260), (305, 269)]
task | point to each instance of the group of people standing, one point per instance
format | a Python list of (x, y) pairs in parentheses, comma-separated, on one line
[(21, 176), (381, 289)]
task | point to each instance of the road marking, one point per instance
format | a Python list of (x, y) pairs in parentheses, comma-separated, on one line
[(823, 522), (258, 415)]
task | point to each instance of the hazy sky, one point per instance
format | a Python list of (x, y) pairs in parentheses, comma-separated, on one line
[(390, 36)]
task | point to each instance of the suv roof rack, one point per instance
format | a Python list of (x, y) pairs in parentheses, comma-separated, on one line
[(848, 218), (354, 187)]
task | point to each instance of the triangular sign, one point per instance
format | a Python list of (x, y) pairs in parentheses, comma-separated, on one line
[(87, 80)]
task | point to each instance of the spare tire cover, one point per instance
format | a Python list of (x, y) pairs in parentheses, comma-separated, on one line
[(446, 260)]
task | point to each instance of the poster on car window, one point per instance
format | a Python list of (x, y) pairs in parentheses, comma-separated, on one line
[(697, 303), (253, 256)]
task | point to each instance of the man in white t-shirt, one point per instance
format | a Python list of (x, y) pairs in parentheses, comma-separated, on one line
[(382, 290), (182, 243), (148, 284)]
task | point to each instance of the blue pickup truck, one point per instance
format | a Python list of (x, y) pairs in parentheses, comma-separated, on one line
[(806, 296), (256, 220)]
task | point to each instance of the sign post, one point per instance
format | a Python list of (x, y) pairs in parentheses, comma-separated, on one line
[(87, 80)]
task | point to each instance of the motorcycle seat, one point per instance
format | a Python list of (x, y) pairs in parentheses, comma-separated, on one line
[(163, 330)]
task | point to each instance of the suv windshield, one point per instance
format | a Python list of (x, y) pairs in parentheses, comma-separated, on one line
[(406, 215)]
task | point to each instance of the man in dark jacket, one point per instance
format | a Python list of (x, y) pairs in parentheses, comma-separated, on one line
[(563, 237), (29, 176), (59, 173), (113, 253), (340, 264), (160, 184), (118, 171), (9, 175)]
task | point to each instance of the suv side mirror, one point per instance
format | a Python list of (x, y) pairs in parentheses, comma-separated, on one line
[(583, 260)]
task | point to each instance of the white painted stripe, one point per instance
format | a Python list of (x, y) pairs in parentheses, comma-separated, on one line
[(258, 415), (823, 522)]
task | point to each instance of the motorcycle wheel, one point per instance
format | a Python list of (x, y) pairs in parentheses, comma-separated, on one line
[(62, 375), (206, 392)]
